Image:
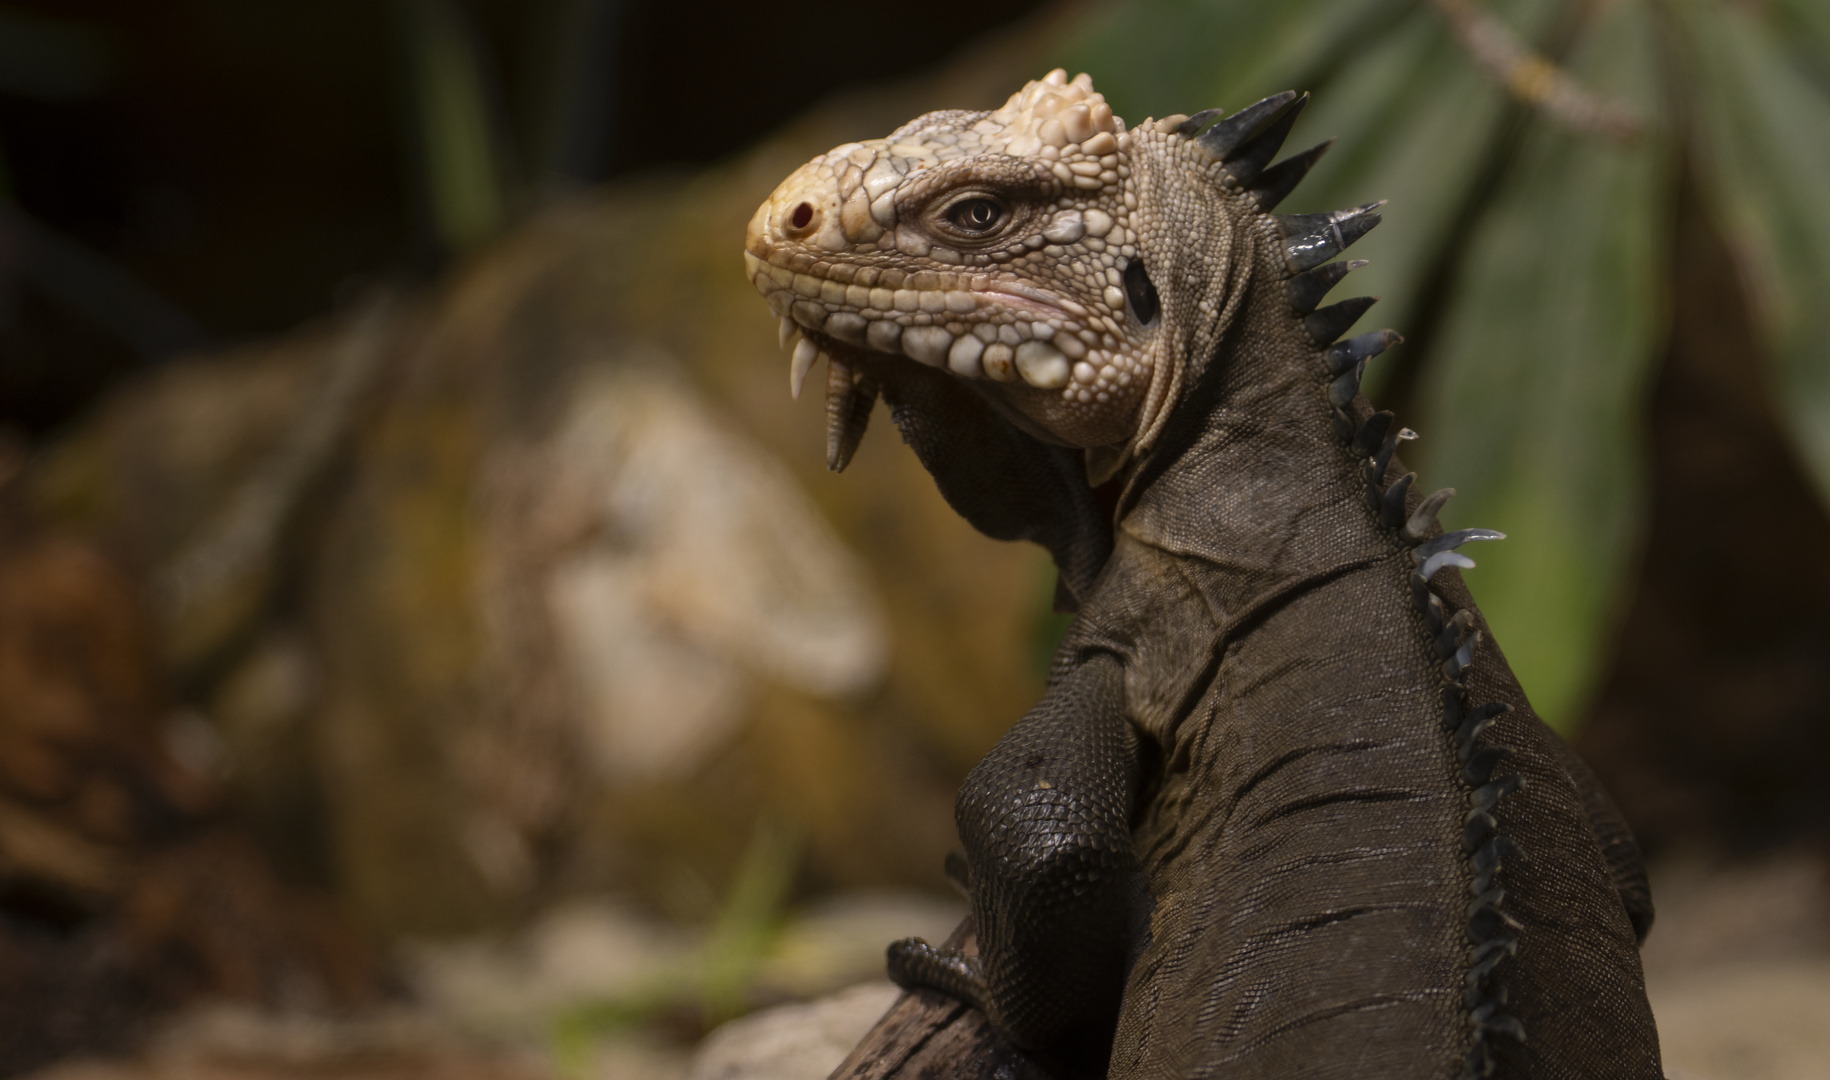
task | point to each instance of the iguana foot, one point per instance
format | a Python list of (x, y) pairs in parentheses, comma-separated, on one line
[(916, 965)]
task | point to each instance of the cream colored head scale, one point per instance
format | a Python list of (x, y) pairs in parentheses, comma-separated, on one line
[(1002, 246)]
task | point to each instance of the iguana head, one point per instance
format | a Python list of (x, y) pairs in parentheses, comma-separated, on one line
[(1066, 266), (998, 246)]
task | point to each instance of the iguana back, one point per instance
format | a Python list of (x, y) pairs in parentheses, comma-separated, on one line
[(1283, 810)]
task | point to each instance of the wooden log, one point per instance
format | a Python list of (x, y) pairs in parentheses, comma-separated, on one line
[(927, 1035)]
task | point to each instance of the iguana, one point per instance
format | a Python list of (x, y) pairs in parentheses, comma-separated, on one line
[(1283, 809)]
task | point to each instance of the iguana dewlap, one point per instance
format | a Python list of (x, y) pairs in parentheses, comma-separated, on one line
[(1283, 810)]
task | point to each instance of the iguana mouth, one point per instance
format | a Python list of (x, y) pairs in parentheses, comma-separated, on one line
[(981, 327), (1041, 355)]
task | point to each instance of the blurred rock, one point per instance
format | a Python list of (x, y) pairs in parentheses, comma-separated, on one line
[(83, 727), (557, 598), (794, 1042), (1738, 967), (531, 586), (120, 890), (517, 987), (226, 1042), (696, 565)]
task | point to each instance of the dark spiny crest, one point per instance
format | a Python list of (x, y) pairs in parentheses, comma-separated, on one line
[(1281, 179), (1245, 143), (1308, 287), (1229, 135)]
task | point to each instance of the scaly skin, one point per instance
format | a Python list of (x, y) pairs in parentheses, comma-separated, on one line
[(1283, 810)]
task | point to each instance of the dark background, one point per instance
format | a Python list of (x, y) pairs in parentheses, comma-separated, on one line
[(244, 163)]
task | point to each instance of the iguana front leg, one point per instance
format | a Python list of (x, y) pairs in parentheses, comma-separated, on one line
[(1057, 894)]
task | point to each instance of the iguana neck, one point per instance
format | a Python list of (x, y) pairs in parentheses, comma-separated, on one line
[(1254, 474)]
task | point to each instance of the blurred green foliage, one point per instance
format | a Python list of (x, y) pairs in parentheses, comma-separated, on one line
[(1526, 260), (748, 924), (457, 124), (51, 60)]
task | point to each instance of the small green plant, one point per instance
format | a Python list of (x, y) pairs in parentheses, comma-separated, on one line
[(717, 985)]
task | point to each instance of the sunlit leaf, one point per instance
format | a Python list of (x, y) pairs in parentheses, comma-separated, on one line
[(1412, 119), (1538, 383), (1762, 106)]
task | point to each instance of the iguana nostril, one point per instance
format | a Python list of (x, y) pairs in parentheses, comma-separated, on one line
[(802, 216)]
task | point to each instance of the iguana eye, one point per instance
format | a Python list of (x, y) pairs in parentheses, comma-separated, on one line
[(976, 216)]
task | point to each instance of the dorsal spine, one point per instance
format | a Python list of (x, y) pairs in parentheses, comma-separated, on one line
[(1245, 143), (1492, 935)]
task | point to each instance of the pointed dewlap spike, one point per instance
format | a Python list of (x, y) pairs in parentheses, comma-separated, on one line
[(1313, 239), (1449, 541), (1376, 465), (1453, 634), (1462, 659), (1371, 434), (1431, 609), (1281, 179), (1324, 325), (1391, 509), (1429, 606), (1249, 159), (1502, 1024), (1308, 287), (1347, 362), (1479, 768), (1477, 721), (1470, 731), (1441, 559), (1487, 796), (1346, 355), (1224, 137), (1342, 390), (1418, 527), (1475, 829)]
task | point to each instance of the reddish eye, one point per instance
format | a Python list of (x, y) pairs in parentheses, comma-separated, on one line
[(803, 214), (976, 215)]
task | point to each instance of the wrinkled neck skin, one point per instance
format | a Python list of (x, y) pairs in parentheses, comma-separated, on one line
[(1247, 473), (1248, 500)]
